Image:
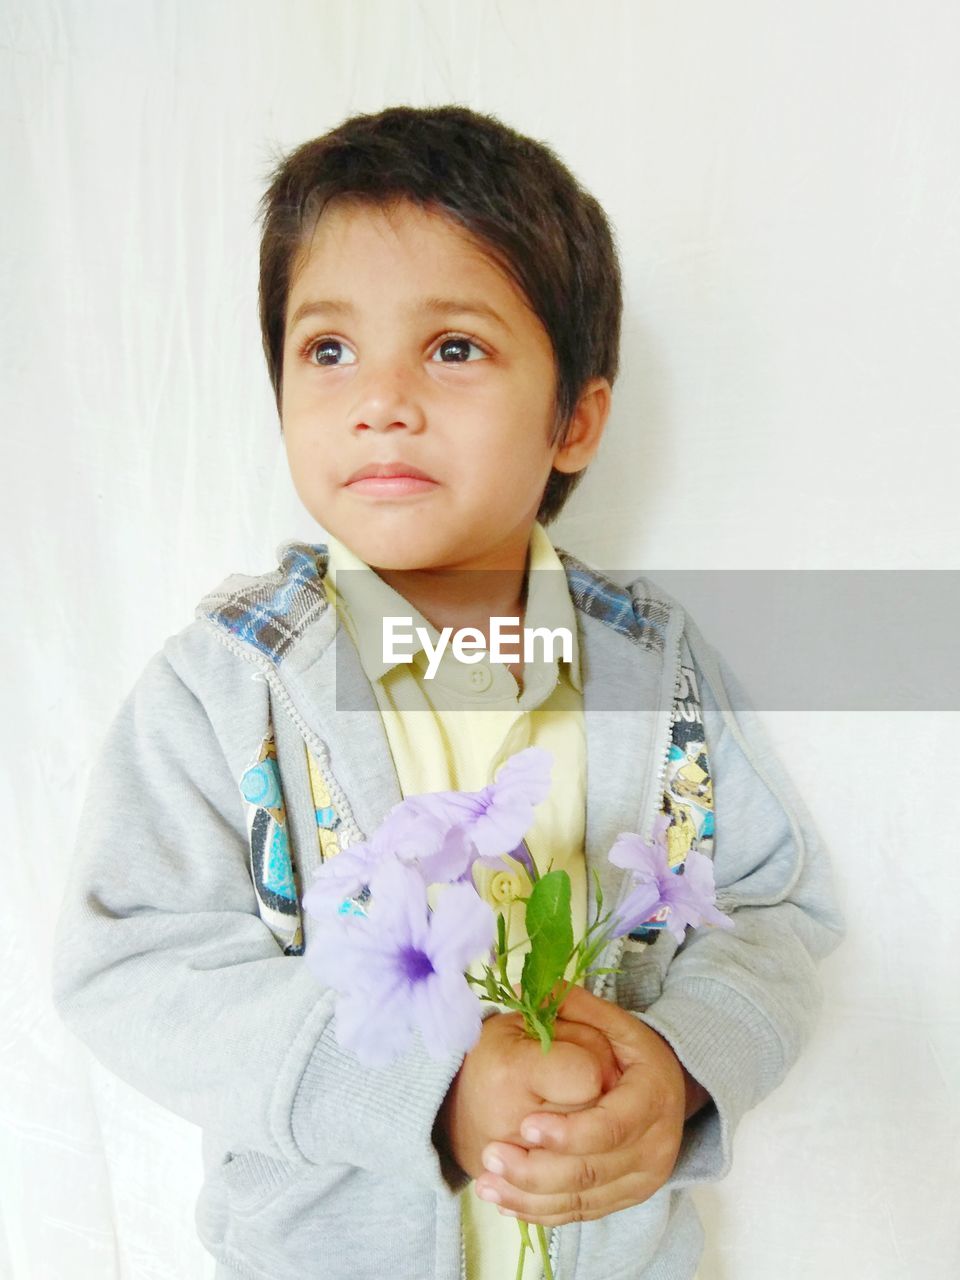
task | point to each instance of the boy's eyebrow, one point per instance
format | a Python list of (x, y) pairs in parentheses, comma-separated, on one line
[(426, 306)]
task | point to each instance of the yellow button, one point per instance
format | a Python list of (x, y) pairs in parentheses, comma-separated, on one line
[(480, 678), (505, 886)]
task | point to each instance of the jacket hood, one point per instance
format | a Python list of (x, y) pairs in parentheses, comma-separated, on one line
[(273, 611)]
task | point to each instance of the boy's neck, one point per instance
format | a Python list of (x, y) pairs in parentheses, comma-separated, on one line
[(461, 598), (465, 598)]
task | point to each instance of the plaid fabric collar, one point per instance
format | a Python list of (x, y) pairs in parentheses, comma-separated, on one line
[(273, 611)]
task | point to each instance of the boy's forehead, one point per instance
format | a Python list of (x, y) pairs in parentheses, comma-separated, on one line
[(400, 229), (390, 223)]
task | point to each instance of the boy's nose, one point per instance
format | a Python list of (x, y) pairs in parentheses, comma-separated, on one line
[(387, 400)]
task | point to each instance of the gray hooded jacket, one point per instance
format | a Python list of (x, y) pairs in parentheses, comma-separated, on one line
[(179, 962)]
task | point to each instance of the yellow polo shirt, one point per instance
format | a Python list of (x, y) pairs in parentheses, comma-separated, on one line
[(453, 732)]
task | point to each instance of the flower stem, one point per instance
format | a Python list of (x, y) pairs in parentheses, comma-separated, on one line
[(544, 1252), (525, 1244)]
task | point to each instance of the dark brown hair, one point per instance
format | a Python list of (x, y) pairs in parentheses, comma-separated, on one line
[(519, 201)]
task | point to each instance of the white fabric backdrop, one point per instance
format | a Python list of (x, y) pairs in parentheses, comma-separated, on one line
[(784, 180)]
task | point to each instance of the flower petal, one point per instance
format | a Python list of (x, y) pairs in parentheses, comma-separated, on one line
[(633, 853), (462, 929), (677, 924), (437, 811), (340, 878), (399, 909), (376, 1029), (410, 832), (640, 905), (527, 775), (692, 894), (522, 783), (447, 1014), (454, 858)]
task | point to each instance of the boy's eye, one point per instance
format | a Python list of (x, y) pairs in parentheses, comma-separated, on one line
[(325, 352), (460, 349)]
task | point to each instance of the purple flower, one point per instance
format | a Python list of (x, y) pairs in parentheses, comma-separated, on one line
[(342, 878), (495, 819), (401, 966), (444, 832), (689, 892)]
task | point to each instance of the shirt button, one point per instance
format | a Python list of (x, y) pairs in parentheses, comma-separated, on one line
[(504, 887), (480, 678)]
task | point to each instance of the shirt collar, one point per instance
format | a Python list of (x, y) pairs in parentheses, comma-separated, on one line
[(363, 600), (549, 603)]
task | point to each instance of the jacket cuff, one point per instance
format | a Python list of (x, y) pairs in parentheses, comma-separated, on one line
[(732, 1050), (378, 1118)]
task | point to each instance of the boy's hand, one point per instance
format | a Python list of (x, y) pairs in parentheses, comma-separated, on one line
[(608, 1157), (506, 1076)]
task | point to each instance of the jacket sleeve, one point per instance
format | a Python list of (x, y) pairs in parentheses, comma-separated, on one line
[(164, 968), (737, 1006)]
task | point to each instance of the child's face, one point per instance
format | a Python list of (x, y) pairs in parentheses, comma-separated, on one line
[(402, 371)]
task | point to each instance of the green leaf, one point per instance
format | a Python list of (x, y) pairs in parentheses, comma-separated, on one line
[(596, 880), (539, 1027), (550, 930)]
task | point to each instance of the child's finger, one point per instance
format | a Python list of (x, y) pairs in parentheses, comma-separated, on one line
[(621, 1116), (596, 1043), (566, 1074), (619, 1027), (538, 1172), (596, 1130), (573, 1204)]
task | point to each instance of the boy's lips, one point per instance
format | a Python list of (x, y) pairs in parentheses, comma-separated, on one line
[(390, 479)]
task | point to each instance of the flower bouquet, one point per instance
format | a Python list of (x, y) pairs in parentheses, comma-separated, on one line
[(399, 922)]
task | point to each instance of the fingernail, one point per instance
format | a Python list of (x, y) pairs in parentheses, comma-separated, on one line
[(494, 1163), (489, 1193), (530, 1134)]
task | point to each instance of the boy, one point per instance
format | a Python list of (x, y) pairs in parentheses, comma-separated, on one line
[(440, 304)]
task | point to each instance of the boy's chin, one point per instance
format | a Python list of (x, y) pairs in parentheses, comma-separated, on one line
[(400, 562), (393, 554)]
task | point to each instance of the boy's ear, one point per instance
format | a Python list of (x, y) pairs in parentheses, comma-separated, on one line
[(586, 427)]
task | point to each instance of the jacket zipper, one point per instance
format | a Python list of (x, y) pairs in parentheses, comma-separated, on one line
[(652, 801), (554, 1251)]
